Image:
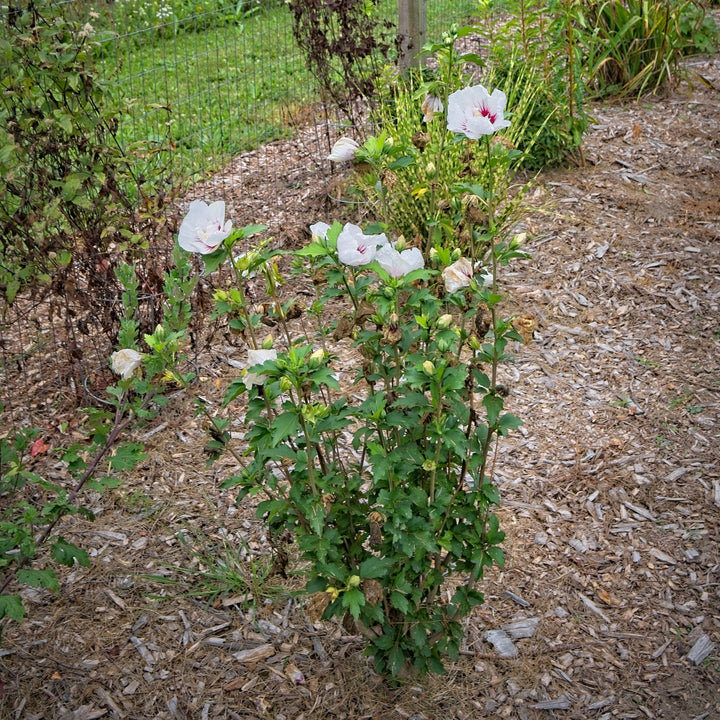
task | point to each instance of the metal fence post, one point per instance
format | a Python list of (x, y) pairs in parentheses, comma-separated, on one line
[(412, 32)]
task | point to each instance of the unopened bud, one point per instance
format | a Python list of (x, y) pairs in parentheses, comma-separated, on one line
[(429, 368), (316, 358), (430, 170), (444, 321), (354, 581), (456, 254), (473, 342), (267, 342), (285, 384), (400, 244)]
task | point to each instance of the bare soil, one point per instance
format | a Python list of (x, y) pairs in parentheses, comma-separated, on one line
[(610, 491)]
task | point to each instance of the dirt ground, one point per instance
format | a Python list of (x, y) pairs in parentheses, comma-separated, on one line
[(610, 491)]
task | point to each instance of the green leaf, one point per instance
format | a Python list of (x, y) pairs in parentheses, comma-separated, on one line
[(127, 456), (396, 658), (283, 426), (508, 422), (103, 484), (498, 556), (39, 579), (11, 290), (67, 554), (215, 259), (316, 517), (353, 599), (494, 405), (12, 607), (249, 230), (312, 250), (374, 567), (399, 601)]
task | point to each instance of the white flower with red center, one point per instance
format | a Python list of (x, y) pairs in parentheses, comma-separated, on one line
[(355, 248), (204, 227), (398, 264), (473, 112)]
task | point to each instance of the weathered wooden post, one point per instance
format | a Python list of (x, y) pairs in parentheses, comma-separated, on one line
[(412, 32)]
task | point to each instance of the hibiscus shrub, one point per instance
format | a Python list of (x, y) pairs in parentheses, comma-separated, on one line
[(382, 474), (387, 490)]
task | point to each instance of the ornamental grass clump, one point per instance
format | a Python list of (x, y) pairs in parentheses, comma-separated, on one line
[(381, 465)]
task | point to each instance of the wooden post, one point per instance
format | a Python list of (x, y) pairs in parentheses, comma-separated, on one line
[(412, 32)]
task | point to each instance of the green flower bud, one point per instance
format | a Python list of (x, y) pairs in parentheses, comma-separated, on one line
[(389, 293), (429, 368), (444, 321), (316, 358), (473, 342), (430, 170), (285, 384), (456, 254), (443, 345), (354, 581), (267, 342)]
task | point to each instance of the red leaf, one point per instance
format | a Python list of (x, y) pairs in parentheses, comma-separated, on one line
[(39, 447)]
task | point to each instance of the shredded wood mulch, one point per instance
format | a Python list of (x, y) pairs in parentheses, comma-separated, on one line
[(609, 604)]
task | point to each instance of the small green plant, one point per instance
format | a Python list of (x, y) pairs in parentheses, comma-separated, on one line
[(218, 569), (33, 506), (30, 544)]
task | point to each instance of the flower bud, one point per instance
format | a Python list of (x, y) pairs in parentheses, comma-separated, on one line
[(316, 358), (518, 240), (285, 384), (354, 581), (389, 293), (456, 254), (429, 465), (473, 342), (443, 345), (429, 368), (267, 342), (430, 170), (400, 244), (444, 321), (434, 255)]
